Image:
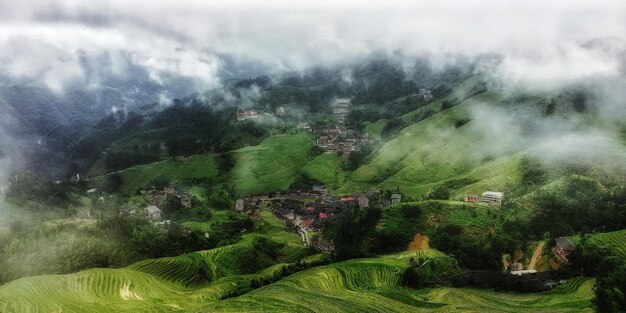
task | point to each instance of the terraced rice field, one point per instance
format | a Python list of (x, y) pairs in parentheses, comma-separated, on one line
[(326, 168), (615, 240), (155, 285), (272, 165), (361, 285), (373, 285), (433, 150), (175, 170)]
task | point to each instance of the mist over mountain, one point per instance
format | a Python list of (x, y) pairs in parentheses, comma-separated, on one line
[(325, 156)]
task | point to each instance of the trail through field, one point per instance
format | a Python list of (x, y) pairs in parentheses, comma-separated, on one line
[(536, 255)]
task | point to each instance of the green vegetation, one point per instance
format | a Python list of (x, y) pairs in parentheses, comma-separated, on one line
[(173, 171), (232, 278), (614, 241), (272, 165), (184, 282), (327, 169)]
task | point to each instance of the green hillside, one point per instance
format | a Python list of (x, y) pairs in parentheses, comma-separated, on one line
[(615, 241), (372, 285), (436, 149), (326, 168), (271, 165), (157, 285), (175, 170)]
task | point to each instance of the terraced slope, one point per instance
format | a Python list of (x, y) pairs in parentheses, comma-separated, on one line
[(373, 285), (326, 168), (361, 285), (431, 151), (175, 170), (272, 165), (615, 240), (156, 285)]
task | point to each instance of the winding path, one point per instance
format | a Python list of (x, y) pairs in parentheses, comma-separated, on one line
[(536, 255)]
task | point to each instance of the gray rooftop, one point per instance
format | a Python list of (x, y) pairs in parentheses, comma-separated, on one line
[(153, 209), (565, 243)]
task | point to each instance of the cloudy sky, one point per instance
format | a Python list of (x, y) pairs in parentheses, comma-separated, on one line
[(542, 42)]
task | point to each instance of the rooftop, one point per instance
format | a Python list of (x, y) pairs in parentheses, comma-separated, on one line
[(493, 194), (565, 243), (153, 209)]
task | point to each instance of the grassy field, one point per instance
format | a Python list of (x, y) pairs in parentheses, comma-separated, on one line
[(475, 219), (427, 153), (376, 129), (174, 171), (272, 165), (326, 168), (615, 240)]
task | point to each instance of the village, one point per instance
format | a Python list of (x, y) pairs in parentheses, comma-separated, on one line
[(307, 211), (336, 139)]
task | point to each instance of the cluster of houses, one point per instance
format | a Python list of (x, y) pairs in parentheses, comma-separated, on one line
[(425, 94), (244, 115), (280, 111), (159, 199), (339, 139), (488, 197), (160, 196), (341, 109), (307, 210), (151, 212), (304, 125)]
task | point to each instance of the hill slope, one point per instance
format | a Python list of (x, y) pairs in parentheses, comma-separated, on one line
[(373, 285)]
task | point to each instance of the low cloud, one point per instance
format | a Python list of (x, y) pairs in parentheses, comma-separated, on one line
[(542, 44)]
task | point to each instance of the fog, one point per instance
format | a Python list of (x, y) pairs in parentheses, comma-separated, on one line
[(540, 46)]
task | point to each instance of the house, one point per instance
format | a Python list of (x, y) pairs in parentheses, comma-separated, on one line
[(523, 272), (319, 188), (126, 211), (325, 245), (517, 266), (306, 223), (246, 115), (162, 223), (348, 199), (425, 94), (75, 178), (396, 197), (304, 125), (492, 197), (280, 111), (152, 212), (472, 198), (564, 246), (239, 204), (363, 202)]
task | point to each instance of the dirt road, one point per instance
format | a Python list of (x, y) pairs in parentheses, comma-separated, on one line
[(536, 255)]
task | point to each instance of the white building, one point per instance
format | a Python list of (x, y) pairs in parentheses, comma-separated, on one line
[(492, 197), (239, 205), (246, 115), (152, 212)]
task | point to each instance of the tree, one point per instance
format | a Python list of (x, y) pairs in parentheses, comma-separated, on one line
[(350, 230), (531, 172)]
